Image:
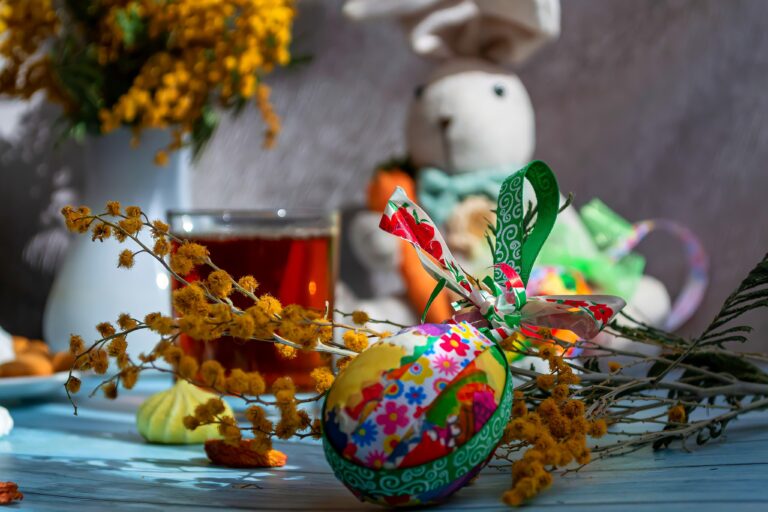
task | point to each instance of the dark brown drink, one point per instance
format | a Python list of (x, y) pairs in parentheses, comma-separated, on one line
[(292, 258)]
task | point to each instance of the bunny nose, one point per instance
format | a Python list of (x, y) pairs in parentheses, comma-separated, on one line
[(445, 122)]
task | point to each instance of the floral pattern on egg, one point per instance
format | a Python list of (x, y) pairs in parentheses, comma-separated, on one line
[(413, 399)]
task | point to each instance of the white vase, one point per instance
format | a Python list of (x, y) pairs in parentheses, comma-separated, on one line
[(89, 288)]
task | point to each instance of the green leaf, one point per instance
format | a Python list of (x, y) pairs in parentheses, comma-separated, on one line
[(592, 364), (83, 11), (438, 288), (657, 368), (203, 129), (751, 295), (78, 131), (401, 163), (239, 105), (300, 60), (131, 25), (725, 363), (491, 244), (738, 328)]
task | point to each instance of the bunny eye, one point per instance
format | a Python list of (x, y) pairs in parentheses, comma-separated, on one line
[(418, 92), (499, 90)]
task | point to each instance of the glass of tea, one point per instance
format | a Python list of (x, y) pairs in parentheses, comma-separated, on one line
[(293, 256)]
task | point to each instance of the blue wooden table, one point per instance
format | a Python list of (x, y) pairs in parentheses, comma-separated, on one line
[(96, 461)]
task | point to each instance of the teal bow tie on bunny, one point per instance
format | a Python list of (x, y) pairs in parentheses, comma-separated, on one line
[(439, 193)]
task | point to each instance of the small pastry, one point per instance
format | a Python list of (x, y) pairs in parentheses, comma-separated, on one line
[(62, 361), (27, 364), (20, 344), (37, 347), (160, 419)]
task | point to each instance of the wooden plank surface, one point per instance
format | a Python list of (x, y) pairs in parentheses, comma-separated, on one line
[(97, 461)]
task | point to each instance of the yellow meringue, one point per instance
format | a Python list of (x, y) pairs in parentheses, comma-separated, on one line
[(160, 419)]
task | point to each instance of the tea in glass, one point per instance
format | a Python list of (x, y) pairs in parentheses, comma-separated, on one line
[(292, 254)]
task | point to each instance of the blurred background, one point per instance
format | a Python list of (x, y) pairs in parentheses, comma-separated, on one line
[(657, 107)]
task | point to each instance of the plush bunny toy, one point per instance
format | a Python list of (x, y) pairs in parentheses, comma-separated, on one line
[(469, 116), (469, 126)]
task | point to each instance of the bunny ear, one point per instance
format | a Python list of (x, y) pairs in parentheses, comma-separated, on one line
[(501, 31), (360, 10), (516, 30)]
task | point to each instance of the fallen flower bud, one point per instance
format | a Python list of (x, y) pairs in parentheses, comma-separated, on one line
[(9, 492)]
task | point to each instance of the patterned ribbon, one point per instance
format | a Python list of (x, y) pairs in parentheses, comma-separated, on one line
[(498, 306)]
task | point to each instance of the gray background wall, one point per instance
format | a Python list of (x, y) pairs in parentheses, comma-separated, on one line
[(658, 107)]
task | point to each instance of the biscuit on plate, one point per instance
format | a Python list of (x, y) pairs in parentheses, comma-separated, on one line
[(62, 361), (27, 364)]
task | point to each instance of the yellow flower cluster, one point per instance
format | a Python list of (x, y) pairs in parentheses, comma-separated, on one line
[(187, 256), (360, 317), (292, 419), (261, 428), (556, 431), (212, 374), (220, 47), (25, 27), (211, 412), (179, 58), (204, 320), (78, 220), (304, 326), (323, 379), (676, 414), (355, 341), (112, 345)]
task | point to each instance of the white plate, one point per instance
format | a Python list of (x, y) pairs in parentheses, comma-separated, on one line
[(16, 388)]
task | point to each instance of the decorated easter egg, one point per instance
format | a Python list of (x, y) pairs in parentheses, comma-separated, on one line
[(557, 280), (413, 418)]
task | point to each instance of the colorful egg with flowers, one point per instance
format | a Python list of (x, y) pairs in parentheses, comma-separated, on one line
[(417, 415)]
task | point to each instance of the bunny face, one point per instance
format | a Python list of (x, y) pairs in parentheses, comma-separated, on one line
[(470, 116)]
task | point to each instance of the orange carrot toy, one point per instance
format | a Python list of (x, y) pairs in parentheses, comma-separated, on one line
[(418, 283)]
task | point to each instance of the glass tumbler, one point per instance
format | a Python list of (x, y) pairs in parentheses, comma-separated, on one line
[(293, 256)]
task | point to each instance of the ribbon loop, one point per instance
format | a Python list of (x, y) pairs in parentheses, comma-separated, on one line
[(512, 245)]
